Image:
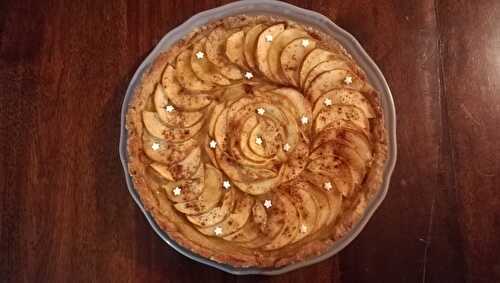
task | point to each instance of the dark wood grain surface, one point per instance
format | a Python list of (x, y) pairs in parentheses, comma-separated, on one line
[(65, 213)]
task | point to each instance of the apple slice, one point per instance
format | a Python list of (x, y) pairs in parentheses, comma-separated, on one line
[(186, 168), (297, 161), (260, 187), (270, 133), (163, 171), (322, 205), (183, 101), (345, 97), (334, 79), (251, 38), (246, 128), (239, 173), (312, 59), (264, 42), (337, 169), (216, 214), (322, 67), (191, 189), (291, 226), (210, 196), (167, 153), (235, 48), (333, 196), (308, 212), (203, 68), (275, 51), (159, 130), (237, 219), (176, 118), (292, 56), (215, 47), (330, 115), (185, 75), (249, 232)]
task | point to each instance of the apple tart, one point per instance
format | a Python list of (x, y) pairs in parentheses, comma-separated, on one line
[(256, 141)]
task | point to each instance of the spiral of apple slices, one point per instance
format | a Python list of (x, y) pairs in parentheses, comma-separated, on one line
[(284, 121)]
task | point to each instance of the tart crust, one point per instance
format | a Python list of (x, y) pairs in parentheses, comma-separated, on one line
[(182, 231)]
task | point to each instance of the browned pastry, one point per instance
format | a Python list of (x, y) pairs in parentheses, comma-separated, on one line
[(256, 141)]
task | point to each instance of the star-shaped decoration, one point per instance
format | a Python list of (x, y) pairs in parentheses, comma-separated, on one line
[(248, 75), (328, 186), (218, 231), (268, 203), (261, 111), (169, 108), (258, 140), (304, 120), (226, 184), (305, 42), (200, 55), (269, 38), (177, 191), (303, 228), (212, 144), (348, 80), (155, 146), (327, 102), (286, 147)]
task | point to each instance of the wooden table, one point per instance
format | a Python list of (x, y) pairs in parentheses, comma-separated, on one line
[(65, 213)]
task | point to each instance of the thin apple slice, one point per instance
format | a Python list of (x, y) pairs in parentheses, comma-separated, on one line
[(345, 97), (237, 219), (215, 46), (185, 75), (334, 113), (291, 226), (190, 189), (210, 196), (312, 59), (166, 153), (163, 171), (260, 187), (297, 161), (239, 173), (322, 67), (337, 169), (216, 214), (235, 49), (203, 68), (322, 205), (159, 130), (182, 101), (186, 168), (251, 38), (308, 212), (175, 118), (249, 232), (292, 56), (275, 51), (270, 134), (335, 79), (246, 128), (333, 196), (264, 42)]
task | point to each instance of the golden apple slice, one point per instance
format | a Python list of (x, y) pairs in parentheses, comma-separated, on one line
[(235, 48), (276, 49), (270, 134), (344, 97), (329, 115), (159, 130), (312, 59), (324, 67), (175, 118), (292, 56), (190, 189), (183, 101), (260, 187), (210, 196), (203, 68), (291, 226), (238, 217), (166, 153), (333, 196), (163, 171), (216, 214), (215, 46), (185, 75), (334, 79), (264, 42), (239, 173), (322, 205), (297, 161), (337, 169), (308, 212), (249, 232), (251, 38), (186, 168)]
